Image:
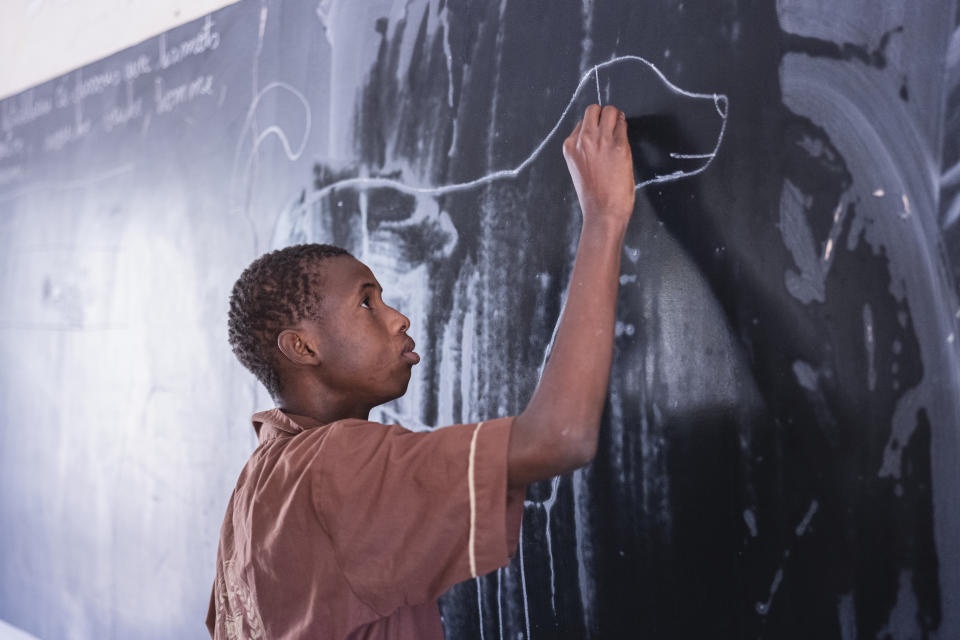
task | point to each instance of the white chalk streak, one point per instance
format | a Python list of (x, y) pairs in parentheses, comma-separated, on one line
[(764, 607), (479, 607), (690, 156), (499, 605), (805, 523), (828, 250), (953, 213), (596, 75), (523, 586), (950, 177), (68, 184), (547, 506)]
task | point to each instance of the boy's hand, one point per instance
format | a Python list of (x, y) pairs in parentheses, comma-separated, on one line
[(601, 165)]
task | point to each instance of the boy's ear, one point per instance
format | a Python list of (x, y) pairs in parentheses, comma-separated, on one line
[(297, 348)]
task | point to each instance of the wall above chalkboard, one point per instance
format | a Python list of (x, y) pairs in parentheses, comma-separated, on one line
[(49, 39)]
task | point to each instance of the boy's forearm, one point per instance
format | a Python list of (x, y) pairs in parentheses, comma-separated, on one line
[(557, 432), (568, 402)]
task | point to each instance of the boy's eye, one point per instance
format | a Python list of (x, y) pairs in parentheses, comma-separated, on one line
[(366, 302)]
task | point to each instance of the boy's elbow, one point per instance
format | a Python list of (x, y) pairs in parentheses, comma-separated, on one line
[(578, 451), (539, 450), (584, 452)]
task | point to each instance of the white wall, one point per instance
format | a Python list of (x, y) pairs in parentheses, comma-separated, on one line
[(9, 632), (42, 39)]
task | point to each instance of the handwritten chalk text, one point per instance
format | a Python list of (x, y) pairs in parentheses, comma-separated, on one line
[(206, 40), (114, 112), (23, 110), (133, 69), (119, 116), (65, 135), (10, 147), (166, 100), (94, 85)]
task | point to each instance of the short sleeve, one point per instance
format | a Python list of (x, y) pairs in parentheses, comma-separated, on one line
[(412, 513)]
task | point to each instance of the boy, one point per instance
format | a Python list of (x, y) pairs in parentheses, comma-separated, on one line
[(344, 528)]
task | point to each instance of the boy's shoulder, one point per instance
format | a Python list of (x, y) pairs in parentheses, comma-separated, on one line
[(274, 423)]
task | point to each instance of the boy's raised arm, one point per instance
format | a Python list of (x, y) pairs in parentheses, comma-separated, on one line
[(557, 432)]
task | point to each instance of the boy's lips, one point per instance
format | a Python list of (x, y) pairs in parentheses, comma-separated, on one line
[(408, 353)]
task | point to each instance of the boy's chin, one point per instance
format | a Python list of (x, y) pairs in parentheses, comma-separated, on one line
[(398, 392)]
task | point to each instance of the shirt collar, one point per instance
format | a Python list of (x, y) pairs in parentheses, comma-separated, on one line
[(274, 422)]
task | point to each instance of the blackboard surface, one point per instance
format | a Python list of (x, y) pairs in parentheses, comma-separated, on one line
[(779, 453)]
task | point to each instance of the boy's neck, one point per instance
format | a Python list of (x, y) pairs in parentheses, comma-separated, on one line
[(322, 409)]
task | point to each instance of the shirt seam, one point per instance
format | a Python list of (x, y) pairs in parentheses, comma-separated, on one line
[(472, 492)]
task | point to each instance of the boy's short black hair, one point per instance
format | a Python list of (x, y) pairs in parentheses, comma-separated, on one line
[(275, 292)]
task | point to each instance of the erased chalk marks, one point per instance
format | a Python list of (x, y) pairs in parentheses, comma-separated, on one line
[(950, 175), (806, 375), (894, 177), (807, 518), (870, 346), (847, 616), (809, 283), (763, 607), (904, 423), (905, 212), (906, 610), (323, 11), (242, 180), (750, 519), (834, 231), (951, 180)]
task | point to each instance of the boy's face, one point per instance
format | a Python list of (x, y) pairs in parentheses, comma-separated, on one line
[(361, 341)]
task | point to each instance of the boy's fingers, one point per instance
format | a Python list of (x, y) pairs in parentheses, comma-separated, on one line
[(573, 139), (609, 117), (592, 117), (620, 128)]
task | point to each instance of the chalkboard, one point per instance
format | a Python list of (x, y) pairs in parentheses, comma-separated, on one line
[(778, 455)]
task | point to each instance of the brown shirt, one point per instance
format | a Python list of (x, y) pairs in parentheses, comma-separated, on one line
[(354, 528)]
